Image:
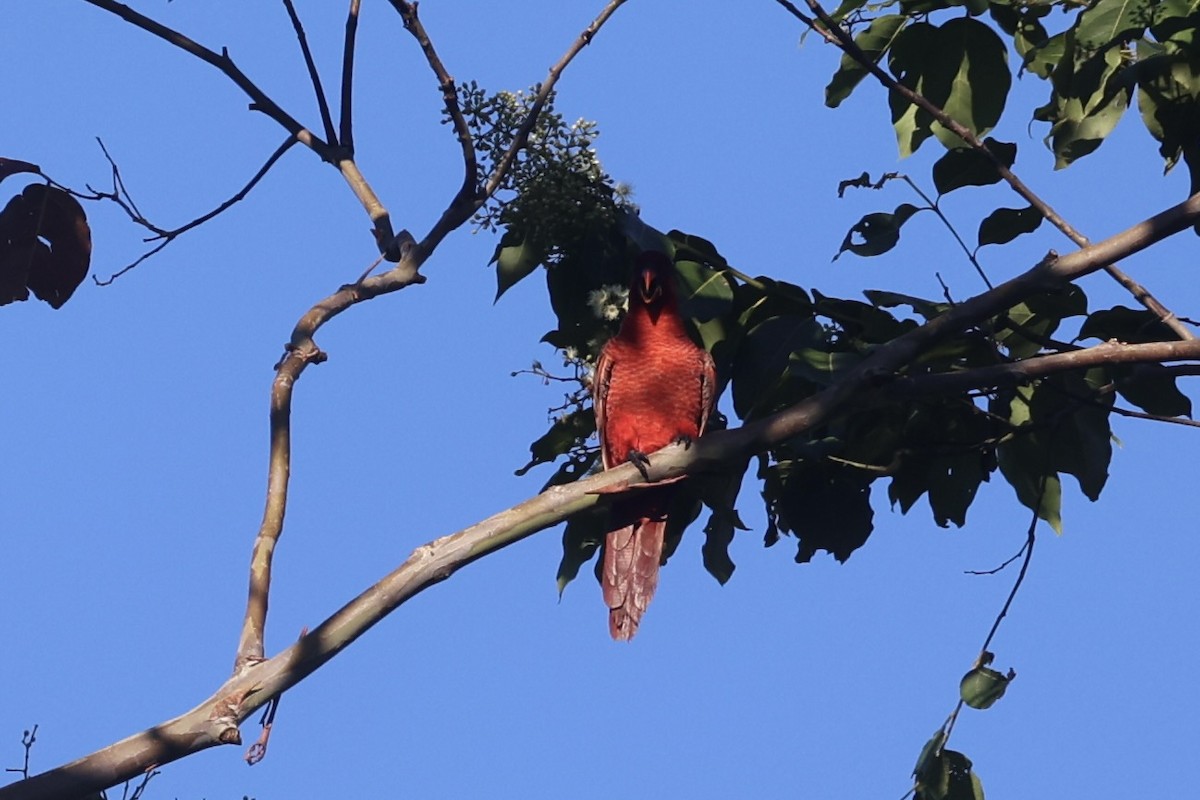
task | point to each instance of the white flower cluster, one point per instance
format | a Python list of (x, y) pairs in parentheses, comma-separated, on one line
[(608, 302)]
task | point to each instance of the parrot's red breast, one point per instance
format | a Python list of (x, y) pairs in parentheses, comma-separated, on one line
[(653, 386)]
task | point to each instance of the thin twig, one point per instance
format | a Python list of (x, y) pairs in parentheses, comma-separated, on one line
[(28, 738), (311, 65), (412, 23), (347, 116), (340, 157), (120, 196), (835, 34), (936, 209)]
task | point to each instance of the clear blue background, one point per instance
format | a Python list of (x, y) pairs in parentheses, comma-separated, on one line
[(134, 430)]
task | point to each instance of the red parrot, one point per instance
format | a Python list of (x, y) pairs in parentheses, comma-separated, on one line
[(653, 386)]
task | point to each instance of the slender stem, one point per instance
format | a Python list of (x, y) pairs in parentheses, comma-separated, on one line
[(933, 206), (347, 115), (311, 65), (412, 23), (165, 237)]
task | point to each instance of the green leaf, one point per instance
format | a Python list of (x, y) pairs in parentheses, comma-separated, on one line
[(1026, 465), (966, 166), (929, 756), (514, 260), (1088, 102), (878, 232), (908, 60), (961, 67), (564, 434), (1005, 224), (982, 687), (581, 538), (1106, 21), (874, 42)]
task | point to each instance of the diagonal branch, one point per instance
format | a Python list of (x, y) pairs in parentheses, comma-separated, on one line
[(835, 34), (215, 720), (412, 23), (318, 89)]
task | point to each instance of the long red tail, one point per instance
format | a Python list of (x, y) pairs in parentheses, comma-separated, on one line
[(631, 558)]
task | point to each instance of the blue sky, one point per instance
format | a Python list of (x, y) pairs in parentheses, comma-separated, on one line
[(135, 432)]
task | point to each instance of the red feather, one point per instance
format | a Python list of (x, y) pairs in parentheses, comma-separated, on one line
[(653, 386)]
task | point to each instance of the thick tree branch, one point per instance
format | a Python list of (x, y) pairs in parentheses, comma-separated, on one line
[(215, 721), (1030, 369), (832, 32)]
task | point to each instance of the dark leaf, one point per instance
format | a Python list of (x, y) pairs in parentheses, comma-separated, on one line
[(581, 538), (1024, 461), (11, 166), (876, 233), (826, 505), (966, 166), (1126, 325), (1005, 224), (567, 431), (961, 67), (1152, 388), (760, 372), (719, 493), (43, 214), (926, 308)]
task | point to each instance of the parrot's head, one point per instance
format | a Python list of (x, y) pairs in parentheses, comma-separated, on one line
[(652, 279)]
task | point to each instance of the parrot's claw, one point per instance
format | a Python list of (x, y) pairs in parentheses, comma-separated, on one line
[(682, 439), (641, 461)]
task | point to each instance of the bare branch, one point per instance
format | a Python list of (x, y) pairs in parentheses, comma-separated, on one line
[(311, 65), (412, 23), (1035, 367), (347, 116), (260, 101), (340, 157), (832, 32), (121, 197)]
